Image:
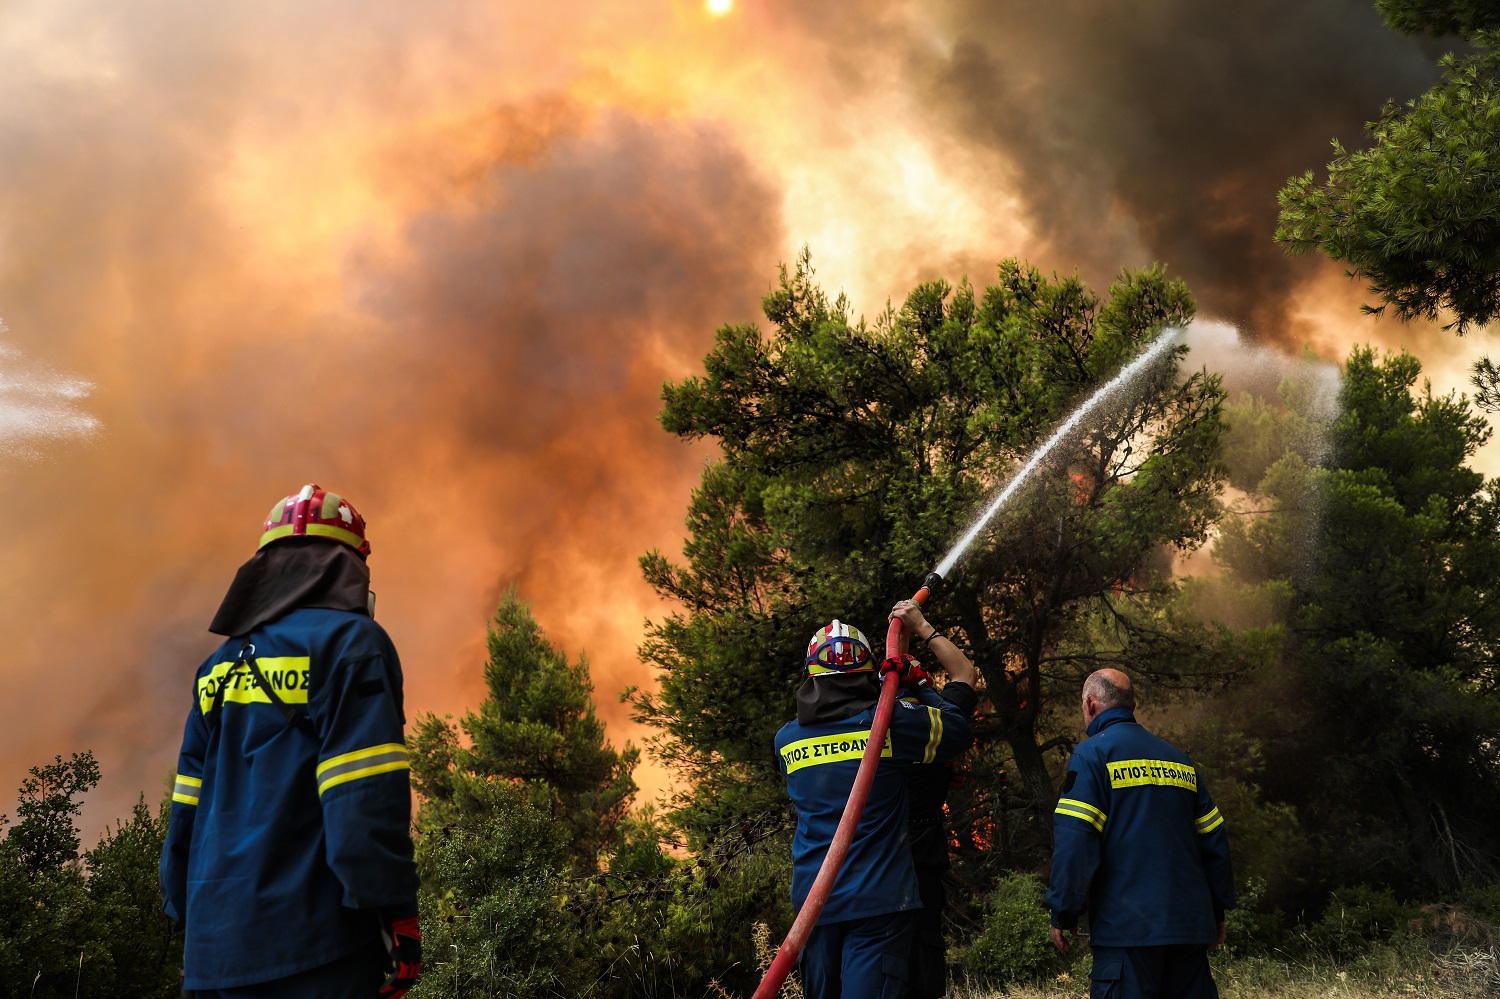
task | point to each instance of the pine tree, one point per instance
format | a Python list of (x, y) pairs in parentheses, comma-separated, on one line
[(1415, 214), (537, 730), (1377, 719)]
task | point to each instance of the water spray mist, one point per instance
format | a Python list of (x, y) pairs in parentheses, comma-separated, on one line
[(1127, 374)]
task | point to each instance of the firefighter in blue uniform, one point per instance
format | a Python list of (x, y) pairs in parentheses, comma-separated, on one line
[(1141, 847), (861, 943), (288, 860), (927, 792)]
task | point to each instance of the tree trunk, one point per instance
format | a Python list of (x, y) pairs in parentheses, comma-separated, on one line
[(1017, 724), (1031, 765)]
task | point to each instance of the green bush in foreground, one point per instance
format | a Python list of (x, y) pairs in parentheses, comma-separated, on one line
[(1015, 945)]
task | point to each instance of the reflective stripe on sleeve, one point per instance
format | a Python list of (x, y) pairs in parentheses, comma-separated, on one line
[(362, 763), (185, 789), (1082, 810), (1213, 820), (935, 720)]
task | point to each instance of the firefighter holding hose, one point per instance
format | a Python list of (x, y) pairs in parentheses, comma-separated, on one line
[(927, 788), (861, 945), (288, 858)]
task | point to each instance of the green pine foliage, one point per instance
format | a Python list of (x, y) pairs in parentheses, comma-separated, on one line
[(83, 925), (144, 950), (1417, 213), (536, 728), (538, 881), (1468, 18), (491, 909), (44, 835), (1372, 726)]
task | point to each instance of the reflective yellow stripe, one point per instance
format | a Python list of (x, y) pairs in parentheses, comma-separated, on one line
[(1082, 810), (1164, 773), (359, 754), (822, 749), (313, 530), (936, 718), (185, 789), (1210, 822), (1083, 806), (1092, 820), (818, 669), (287, 675), (380, 759)]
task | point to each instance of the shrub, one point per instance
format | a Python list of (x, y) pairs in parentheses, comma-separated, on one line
[(1015, 945), (1357, 917), (491, 914), (673, 932), (1249, 928)]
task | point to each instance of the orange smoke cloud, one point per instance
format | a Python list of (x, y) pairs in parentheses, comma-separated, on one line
[(454, 300), (442, 259)]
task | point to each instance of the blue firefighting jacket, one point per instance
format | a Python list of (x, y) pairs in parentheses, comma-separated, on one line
[(927, 792), (1138, 842), (820, 762), (281, 833)]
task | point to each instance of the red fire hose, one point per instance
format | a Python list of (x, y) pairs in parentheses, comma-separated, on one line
[(833, 861)]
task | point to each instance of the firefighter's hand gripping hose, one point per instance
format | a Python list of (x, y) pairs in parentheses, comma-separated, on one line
[(833, 861), (911, 674)]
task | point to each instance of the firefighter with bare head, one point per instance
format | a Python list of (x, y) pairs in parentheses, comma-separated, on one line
[(1140, 848)]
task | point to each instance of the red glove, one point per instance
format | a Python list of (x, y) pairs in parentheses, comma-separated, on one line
[(403, 942), (912, 675)]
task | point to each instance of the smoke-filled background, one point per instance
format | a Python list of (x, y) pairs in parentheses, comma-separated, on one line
[(441, 257)]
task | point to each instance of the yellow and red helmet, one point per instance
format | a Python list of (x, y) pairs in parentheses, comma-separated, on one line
[(838, 648), (314, 512)]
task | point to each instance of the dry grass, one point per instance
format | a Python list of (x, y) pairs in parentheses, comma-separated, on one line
[(1447, 955), (1467, 971)]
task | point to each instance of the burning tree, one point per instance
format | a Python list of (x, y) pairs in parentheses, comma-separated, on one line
[(852, 455)]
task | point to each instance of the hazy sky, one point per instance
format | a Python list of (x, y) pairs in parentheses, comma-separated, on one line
[(440, 258)]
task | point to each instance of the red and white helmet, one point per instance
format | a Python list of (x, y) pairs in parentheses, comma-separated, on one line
[(314, 512), (838, 648)]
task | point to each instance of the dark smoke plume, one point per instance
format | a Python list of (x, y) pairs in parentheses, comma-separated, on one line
[(1141, 132), (1182, 119)]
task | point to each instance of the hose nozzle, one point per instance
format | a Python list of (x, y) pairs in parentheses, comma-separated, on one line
[(929, 584)]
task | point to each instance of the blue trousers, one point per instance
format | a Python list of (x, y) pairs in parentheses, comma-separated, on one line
[(858, 958), (1174, 972), (358, 976)]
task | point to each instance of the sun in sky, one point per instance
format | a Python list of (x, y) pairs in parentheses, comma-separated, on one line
[(718, 8)]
